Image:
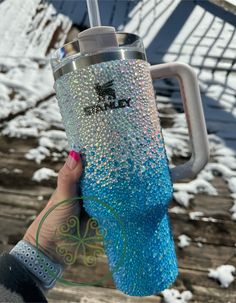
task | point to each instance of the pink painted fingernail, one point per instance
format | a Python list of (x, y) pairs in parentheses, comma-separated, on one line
[(73, 159)]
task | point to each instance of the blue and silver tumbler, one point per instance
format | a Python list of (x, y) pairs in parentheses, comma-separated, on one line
[(104, 88)]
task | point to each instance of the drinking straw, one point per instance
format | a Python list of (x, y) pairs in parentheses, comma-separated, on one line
[(93, 12)]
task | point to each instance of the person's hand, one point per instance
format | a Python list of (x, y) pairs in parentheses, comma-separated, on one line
[(66, 189)]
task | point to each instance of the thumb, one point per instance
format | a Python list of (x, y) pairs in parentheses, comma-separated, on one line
[(68, 175)]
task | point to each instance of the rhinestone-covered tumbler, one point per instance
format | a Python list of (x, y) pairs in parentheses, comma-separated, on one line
[(110, 116), (105, 93)]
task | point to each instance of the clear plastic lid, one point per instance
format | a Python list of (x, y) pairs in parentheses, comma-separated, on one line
[(71, 50)]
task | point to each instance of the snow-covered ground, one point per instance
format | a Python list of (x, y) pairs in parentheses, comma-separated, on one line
[(28, 107)]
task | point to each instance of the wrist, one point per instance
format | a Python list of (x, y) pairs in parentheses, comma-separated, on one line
[(45, 269), (45, 248)]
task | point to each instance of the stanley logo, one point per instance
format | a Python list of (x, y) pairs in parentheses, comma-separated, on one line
[(107, 99), (105, 90)]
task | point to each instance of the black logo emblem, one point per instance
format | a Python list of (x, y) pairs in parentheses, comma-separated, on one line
[(105, 89), (107, 99)]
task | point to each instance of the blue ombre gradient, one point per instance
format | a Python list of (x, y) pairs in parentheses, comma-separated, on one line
[(145, 252)]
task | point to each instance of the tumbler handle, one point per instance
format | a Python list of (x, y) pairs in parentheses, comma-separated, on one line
[(192, 103)]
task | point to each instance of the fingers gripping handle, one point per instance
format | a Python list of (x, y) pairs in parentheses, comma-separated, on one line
[(191, 97)]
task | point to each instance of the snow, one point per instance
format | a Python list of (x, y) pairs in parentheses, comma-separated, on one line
[(4, 170), (33, 33), (209, 219), (198, 215), (177, 210), (183, 241), (195, 215), (174, 296), (183, 197), (38, 154), (232, 184), (34, 121), (184, 191), (201, 239), (175, 145), (223, 167), (224, 274), (25, 126), (49, 141), (38, 123), (55, 139), (86, 299), (43, 174), (23, 85), (233, 208)]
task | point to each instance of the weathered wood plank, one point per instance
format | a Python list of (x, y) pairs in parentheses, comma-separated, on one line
[(27, 197), (221, 232), (204, 257), (193, 258), (194, 262), (216, 233), (33, 191), (91, 294), (9, 233), (203, 289)]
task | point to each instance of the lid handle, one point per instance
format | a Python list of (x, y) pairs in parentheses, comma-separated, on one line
[(97, 39)]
